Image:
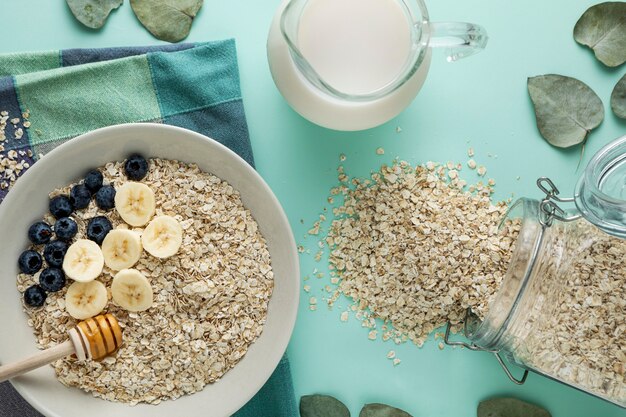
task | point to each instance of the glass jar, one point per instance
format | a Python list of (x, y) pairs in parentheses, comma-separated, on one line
[(561, 308)]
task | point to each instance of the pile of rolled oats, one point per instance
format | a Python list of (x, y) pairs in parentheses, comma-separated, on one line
[(411, 247), (210, 300)]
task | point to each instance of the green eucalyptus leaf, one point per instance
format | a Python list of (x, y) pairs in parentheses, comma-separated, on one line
[(510, 407), (618, 98), (93, 13), (603, 28), (566, 109), (168, 20), (382, 410), (322, 406)]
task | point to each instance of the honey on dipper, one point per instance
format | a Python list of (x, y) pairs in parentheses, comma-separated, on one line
[(93, 338)]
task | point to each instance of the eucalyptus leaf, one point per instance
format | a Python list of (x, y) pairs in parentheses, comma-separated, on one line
[(510, 407), (603, 28), (168, 20), (93, 13), (382, 410), (566, 109), (322, 406), (618, 98)]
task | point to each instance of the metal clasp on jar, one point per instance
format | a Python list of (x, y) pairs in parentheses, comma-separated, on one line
[(549, 208), (471, 320)]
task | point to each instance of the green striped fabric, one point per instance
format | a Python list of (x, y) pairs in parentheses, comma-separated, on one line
[(70, 92)]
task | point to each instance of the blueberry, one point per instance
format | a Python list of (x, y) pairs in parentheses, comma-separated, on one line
[(80, 196), (39, 233), (29, 262), (60, 206), (98, 228), (52, 279), (34, 296), (65, 228), (136, 167), (54, 252), (93, 180), (105, 197)]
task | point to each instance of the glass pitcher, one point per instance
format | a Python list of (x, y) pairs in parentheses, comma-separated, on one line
[(362, 60)]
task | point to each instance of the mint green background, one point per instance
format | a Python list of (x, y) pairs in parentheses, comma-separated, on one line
[(480, 102)]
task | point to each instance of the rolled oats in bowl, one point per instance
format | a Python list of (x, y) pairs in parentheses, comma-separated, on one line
[(210, 299)]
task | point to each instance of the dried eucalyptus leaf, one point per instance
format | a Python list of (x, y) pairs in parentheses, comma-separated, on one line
[(618, 98), (168, 20), (603, 28), (566, 109), (322, 406), (93, 13), (382, 410), (510, 407)]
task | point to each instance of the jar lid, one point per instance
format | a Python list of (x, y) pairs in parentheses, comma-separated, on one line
[(600, 194)]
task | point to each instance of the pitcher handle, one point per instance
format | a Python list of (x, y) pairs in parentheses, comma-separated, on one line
[(459, 39)]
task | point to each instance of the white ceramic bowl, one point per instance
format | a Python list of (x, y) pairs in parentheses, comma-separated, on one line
[(28, 201)]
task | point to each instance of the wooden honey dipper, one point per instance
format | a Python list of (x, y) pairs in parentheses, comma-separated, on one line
[(93, 338)]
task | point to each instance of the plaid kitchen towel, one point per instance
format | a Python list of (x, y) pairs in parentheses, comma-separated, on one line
[(49, 98)]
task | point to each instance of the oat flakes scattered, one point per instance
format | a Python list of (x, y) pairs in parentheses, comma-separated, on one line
[(471, 164), (12, 164), (412, 249), (380, 151)]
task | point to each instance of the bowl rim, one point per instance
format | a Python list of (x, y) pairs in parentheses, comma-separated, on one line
[(287, 320)]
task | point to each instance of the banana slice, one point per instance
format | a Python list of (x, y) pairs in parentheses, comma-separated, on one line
[(134, 202), (121, 249), (85, 299), (131, 290), (83, 261), (162, 237)]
